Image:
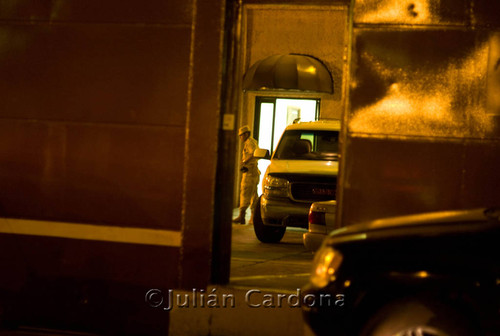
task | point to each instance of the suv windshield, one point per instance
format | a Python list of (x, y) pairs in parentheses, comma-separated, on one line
[(308, 145)]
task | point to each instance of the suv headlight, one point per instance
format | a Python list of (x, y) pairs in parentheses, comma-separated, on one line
[(275, 186), (325, 265)]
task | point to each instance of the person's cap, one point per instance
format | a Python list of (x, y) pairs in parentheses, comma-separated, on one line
[(243, 130)]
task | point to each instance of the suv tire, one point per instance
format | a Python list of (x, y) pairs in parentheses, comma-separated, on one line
[(414, 316), (266, 233)]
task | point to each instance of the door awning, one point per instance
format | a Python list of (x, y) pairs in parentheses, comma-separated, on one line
[(288, 72)]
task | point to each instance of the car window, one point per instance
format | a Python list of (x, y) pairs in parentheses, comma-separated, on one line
[(308, 145)]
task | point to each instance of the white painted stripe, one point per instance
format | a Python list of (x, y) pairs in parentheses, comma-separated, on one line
[(90, 232)]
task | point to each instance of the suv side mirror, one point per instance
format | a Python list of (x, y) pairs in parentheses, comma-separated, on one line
[(261, 153)]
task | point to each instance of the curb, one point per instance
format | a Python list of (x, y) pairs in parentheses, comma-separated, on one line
[(239, 311)]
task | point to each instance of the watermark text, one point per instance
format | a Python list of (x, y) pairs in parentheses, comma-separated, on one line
[(253, 298)]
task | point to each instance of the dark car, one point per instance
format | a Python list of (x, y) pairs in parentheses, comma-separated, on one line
[(427, 274)]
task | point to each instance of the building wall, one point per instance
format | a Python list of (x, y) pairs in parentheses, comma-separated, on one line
[(316, 30), (109, 118), (421, 126)]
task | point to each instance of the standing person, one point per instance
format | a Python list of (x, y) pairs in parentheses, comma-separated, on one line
[(250, 175)]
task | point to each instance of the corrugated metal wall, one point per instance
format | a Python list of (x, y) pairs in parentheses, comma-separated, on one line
[(419, 132), (109, 116)]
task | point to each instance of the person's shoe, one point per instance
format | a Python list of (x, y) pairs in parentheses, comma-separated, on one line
[(241, 218)]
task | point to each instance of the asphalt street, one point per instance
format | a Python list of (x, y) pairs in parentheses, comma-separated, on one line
[(284, 266)]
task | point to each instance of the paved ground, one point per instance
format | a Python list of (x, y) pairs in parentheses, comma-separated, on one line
[(260, 275), (283, 266)]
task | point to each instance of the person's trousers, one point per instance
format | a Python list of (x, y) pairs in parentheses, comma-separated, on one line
[(248, 190)]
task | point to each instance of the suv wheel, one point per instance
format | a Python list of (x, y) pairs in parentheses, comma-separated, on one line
[(266, 233), (413, 316)]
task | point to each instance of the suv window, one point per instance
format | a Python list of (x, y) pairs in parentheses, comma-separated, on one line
[(308, 145)]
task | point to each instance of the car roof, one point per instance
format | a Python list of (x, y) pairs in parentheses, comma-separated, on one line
[(440, 222), (324, 124)]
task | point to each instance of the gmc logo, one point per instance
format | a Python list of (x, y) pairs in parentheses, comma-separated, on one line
[(323, 191)]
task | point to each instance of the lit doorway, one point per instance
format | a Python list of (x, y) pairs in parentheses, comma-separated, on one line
[(272, 115)]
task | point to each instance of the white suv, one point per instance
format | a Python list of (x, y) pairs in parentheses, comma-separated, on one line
[(303, 170)]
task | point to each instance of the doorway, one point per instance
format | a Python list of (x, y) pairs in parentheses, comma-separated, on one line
[(273, 115)]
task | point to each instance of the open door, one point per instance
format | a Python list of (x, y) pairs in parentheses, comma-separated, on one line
[(273, 114)]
